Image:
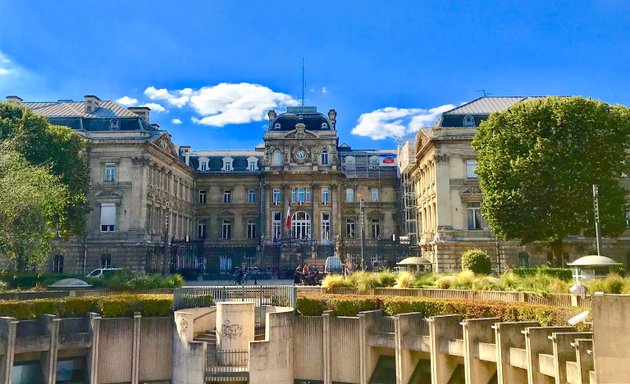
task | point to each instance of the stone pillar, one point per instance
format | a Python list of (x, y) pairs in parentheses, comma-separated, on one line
[(404, 326), (369, 357), (235, 325), (92, 357), (135, 348), (563, 351), (477, 331), (8, 328), (584, 359), (442, 191), (49, 363), (508, 335), (536, 342), (189, 357), (441, 330), (326, 344)]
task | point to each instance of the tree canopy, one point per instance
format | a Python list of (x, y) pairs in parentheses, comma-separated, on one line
[(44, 179), (538, 160)]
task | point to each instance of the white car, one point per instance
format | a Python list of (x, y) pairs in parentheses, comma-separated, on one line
[(100, 272)]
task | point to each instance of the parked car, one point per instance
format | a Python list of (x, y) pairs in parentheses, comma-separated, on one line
[(101, 272)]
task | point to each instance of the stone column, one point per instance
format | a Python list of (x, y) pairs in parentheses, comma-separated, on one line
[(8, 328), (442, 329), (327, 345), (135, 349), (442, 191), (92, 357), (369, 357), (235, 327), (508, 335), (404, 326), (478, 331), (49, 363)]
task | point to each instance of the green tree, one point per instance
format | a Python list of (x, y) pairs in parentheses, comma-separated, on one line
[(538, 160), (32, 203), (60, 150)]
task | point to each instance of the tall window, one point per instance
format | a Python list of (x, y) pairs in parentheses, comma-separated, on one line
[(203, 163), (350, 228), (276, 197), (251, 196), (523, 259), (474, 215), (58, 264), (251, 229), (324, 157), (325, 195), (227, 196), (301, 225), (375, 194), (376, 229), (228, 163), (374, 161), (300, 194), (226, 229), (252, 164), (471, 169), (106, 261), (203, 197), (201, 229), (276, 225), (276, 158), (349, 195), (110, 172), (325, 225), (108, 217)]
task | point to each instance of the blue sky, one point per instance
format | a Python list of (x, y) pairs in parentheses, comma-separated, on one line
[(388, 68)]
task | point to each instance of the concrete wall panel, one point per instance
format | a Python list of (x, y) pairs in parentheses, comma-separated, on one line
[(308, 356), (345, 351), (156, 346), (115, 351)]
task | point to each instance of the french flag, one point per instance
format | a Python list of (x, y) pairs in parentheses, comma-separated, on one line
[(288, 221)]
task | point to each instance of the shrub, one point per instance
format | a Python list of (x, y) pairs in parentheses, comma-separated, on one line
[(446, 282), (612, 283), (334, 281), (485, 283), (405, 280), (565, 274), (477, 261), (465, 279), (426, 280), (108, 306)]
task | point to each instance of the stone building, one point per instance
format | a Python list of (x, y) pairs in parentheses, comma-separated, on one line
[(448, 214), (158, 206), (137, 181)]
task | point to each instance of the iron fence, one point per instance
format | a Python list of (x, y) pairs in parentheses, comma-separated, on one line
[(193, 297)]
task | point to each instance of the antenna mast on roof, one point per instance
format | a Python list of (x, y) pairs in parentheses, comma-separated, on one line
[(303, 82), (483, 92)]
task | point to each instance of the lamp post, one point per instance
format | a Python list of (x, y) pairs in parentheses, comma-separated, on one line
[(166, 237), (598, 231), (362, 213)]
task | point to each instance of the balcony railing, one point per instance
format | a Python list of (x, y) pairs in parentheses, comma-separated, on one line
[(227, 365)]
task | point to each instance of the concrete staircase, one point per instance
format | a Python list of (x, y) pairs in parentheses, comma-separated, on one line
[(208, 337)]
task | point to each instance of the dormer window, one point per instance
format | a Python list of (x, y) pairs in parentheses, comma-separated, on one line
[(252, 164), (324, 125), (114, 125), (276, 159), (469, 121), (276, 126), (203, 164), (228, 164)]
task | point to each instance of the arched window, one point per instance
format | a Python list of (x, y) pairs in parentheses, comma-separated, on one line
[(324, 125), (106, 261), (301, 225), (228, 164), (276, 158), (469, 121), (324, 157), (276, 126), (58, 264)]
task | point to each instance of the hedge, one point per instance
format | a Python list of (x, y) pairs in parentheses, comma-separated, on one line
[(107, 306), (351, 305), (119, 281), (558, 273)]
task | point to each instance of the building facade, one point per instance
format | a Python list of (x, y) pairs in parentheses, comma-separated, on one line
[(449, 220), (156, 206)]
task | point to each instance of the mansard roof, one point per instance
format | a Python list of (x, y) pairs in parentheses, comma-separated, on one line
[(313, 120), (240, 161), (70, 108), (477, 110)]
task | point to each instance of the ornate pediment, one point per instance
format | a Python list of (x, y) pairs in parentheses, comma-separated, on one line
[(164, 142), (470, 192), (108, 195), (300, 132)]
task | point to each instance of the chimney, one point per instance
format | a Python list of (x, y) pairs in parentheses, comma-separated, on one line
[(272, 115), (332, 116), (185, 150), (91, 103), (142, 112), (14, 100)]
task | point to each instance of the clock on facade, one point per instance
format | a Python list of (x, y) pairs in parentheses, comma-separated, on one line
[(300, 154)]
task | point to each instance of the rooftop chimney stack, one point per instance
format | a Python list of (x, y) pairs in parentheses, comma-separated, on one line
[(272, 115), (143, 112), (185, 150), (91, 103), (332, 116), (14, 100)]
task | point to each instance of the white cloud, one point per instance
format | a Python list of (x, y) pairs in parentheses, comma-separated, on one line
[(6, 66), (176, 121), (127, 101), (224, 103), (396, 122), (324, 90), (155, 107)]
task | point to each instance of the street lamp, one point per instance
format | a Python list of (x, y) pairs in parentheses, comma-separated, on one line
[(362, 212)]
